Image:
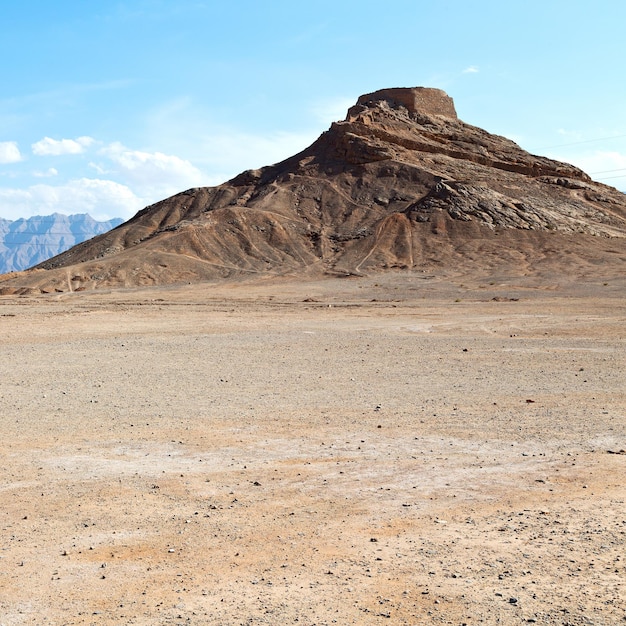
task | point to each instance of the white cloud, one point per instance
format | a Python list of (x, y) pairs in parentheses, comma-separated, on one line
[(222, 151), (99, 169), (126, 181), (569, 134), (226, 154), (334, 110), (56, 147), (153, 175), (51, 171), (102, 199), (9, 152), (472, 69)]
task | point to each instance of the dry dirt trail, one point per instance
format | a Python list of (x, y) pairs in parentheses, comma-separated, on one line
[(339, 452)]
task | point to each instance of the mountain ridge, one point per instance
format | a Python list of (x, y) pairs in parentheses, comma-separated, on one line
[(26, 242), (401, 182)]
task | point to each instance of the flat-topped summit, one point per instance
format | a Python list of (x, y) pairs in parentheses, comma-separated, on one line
[(423, 100), (400, 183)]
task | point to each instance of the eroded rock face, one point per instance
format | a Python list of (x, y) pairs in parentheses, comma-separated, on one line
[(401, 182)]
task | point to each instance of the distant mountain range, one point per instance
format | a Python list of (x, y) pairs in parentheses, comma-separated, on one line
[(27, 242)]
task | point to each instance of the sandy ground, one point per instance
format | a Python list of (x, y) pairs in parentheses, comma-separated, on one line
[(346, 452)]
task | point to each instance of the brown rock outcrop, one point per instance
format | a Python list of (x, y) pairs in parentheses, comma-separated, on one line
[(401, 182), (415, 100)]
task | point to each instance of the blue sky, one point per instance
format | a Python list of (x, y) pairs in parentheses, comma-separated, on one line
[(108, 106)]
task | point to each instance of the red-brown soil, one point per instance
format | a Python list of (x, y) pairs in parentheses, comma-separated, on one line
[(418, 450)]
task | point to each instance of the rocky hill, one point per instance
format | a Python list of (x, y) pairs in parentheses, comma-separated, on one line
[(400, 183), (27, 242)]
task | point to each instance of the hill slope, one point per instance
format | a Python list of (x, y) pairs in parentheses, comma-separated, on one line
[(400, 183)]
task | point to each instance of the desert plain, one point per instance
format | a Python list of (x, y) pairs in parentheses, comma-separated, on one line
[(394, 449)]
